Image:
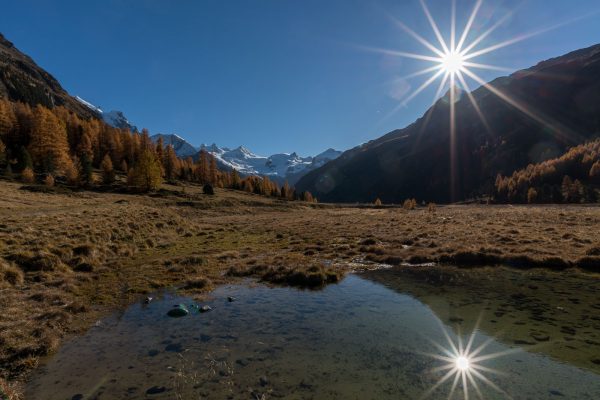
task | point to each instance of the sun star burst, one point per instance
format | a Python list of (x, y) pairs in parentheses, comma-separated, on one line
[(453, 61), (463, 366)]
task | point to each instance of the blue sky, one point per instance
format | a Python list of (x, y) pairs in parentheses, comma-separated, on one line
[(273, 75)]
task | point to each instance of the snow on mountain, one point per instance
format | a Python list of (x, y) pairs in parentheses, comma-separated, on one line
[(278, 167), (112, 118), (182, 148)]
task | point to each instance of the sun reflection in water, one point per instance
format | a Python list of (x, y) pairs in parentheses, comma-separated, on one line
[(462, 366)]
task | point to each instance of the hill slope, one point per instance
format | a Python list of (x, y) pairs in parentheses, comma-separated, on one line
[(562, 98), (21, 79)]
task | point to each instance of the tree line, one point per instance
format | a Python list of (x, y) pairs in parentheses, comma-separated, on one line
[(572, 178), (45, 144)]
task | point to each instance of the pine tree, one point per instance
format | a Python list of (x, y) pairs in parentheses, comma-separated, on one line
[(146, 174), (108, 172), (24, 159), (86, 175)]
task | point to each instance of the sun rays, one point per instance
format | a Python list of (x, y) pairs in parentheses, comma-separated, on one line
[(453, 61), (462, 365)]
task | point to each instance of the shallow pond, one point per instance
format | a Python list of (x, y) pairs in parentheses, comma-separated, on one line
[(375, 335)]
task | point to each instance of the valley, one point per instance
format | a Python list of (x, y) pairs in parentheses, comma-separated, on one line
[(71, 258)]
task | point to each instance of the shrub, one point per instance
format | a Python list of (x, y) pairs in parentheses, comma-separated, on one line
[(431, 207), (531, 195), (410, 204), (49, 180), (9, 274), (27, 175), (208, 189), (377, 202)]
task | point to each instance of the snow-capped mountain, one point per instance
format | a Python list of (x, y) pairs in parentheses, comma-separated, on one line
[(182, 148), (278, 167), (112, 118)]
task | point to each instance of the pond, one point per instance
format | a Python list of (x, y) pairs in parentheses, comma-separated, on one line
[(386, 334)]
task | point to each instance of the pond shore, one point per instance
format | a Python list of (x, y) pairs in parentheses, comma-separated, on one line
[(66, 259)]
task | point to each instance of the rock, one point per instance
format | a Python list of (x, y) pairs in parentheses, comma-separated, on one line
[(174, 348), (178, 311), (263, 381), (153, 353), (556, 393), (231, 299), (148, 300), (204, 309), (540, 337), (156, 390), (568, 330), (78, 396)]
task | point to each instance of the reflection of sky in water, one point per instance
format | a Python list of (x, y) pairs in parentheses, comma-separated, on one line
[(354, 340)]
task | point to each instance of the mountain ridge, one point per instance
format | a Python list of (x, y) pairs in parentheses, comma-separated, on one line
[(278, 167), (562, 101)]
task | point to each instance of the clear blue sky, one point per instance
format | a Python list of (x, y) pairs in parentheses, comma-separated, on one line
[(274, 75)]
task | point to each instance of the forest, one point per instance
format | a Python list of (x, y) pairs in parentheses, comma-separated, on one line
[(573, 177), (51, 146)]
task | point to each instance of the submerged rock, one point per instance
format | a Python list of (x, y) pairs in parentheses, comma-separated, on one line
[(178, 311), (205, 309)]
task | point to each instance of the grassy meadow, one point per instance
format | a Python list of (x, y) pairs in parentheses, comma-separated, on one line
[(68, 258)]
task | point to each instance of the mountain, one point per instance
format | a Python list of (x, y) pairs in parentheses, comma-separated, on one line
[(278, 167), (555, 105), (112, 118), (182, 148), (21, 79)]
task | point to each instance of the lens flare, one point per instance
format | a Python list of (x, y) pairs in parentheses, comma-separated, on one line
[(453, 60), (462, 363)]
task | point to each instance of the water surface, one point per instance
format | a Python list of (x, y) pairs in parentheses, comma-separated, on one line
[(368, 337)]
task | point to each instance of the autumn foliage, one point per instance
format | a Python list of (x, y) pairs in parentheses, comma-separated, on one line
[(572, 178), (57, 142)]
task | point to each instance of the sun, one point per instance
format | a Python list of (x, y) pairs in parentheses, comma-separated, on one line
[(462, 363), (453, 63)]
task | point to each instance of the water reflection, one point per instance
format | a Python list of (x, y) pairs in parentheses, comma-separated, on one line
[(359, 339)]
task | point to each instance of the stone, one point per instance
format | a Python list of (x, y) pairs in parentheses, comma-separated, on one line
[(204, 309), (156, 390), (178, 311)]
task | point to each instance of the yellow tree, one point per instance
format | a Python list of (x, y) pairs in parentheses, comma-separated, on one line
[(48, 145), (108, 172), (213, 172), (8, 119), (146, 175), (170, 163)]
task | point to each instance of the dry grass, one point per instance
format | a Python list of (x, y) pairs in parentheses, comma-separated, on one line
[(68, 258)]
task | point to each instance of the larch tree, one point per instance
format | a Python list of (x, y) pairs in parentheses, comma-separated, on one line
[(48, 145), (146, 174), (108, 172), (213, 172), (8, 120), (170, 163)]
